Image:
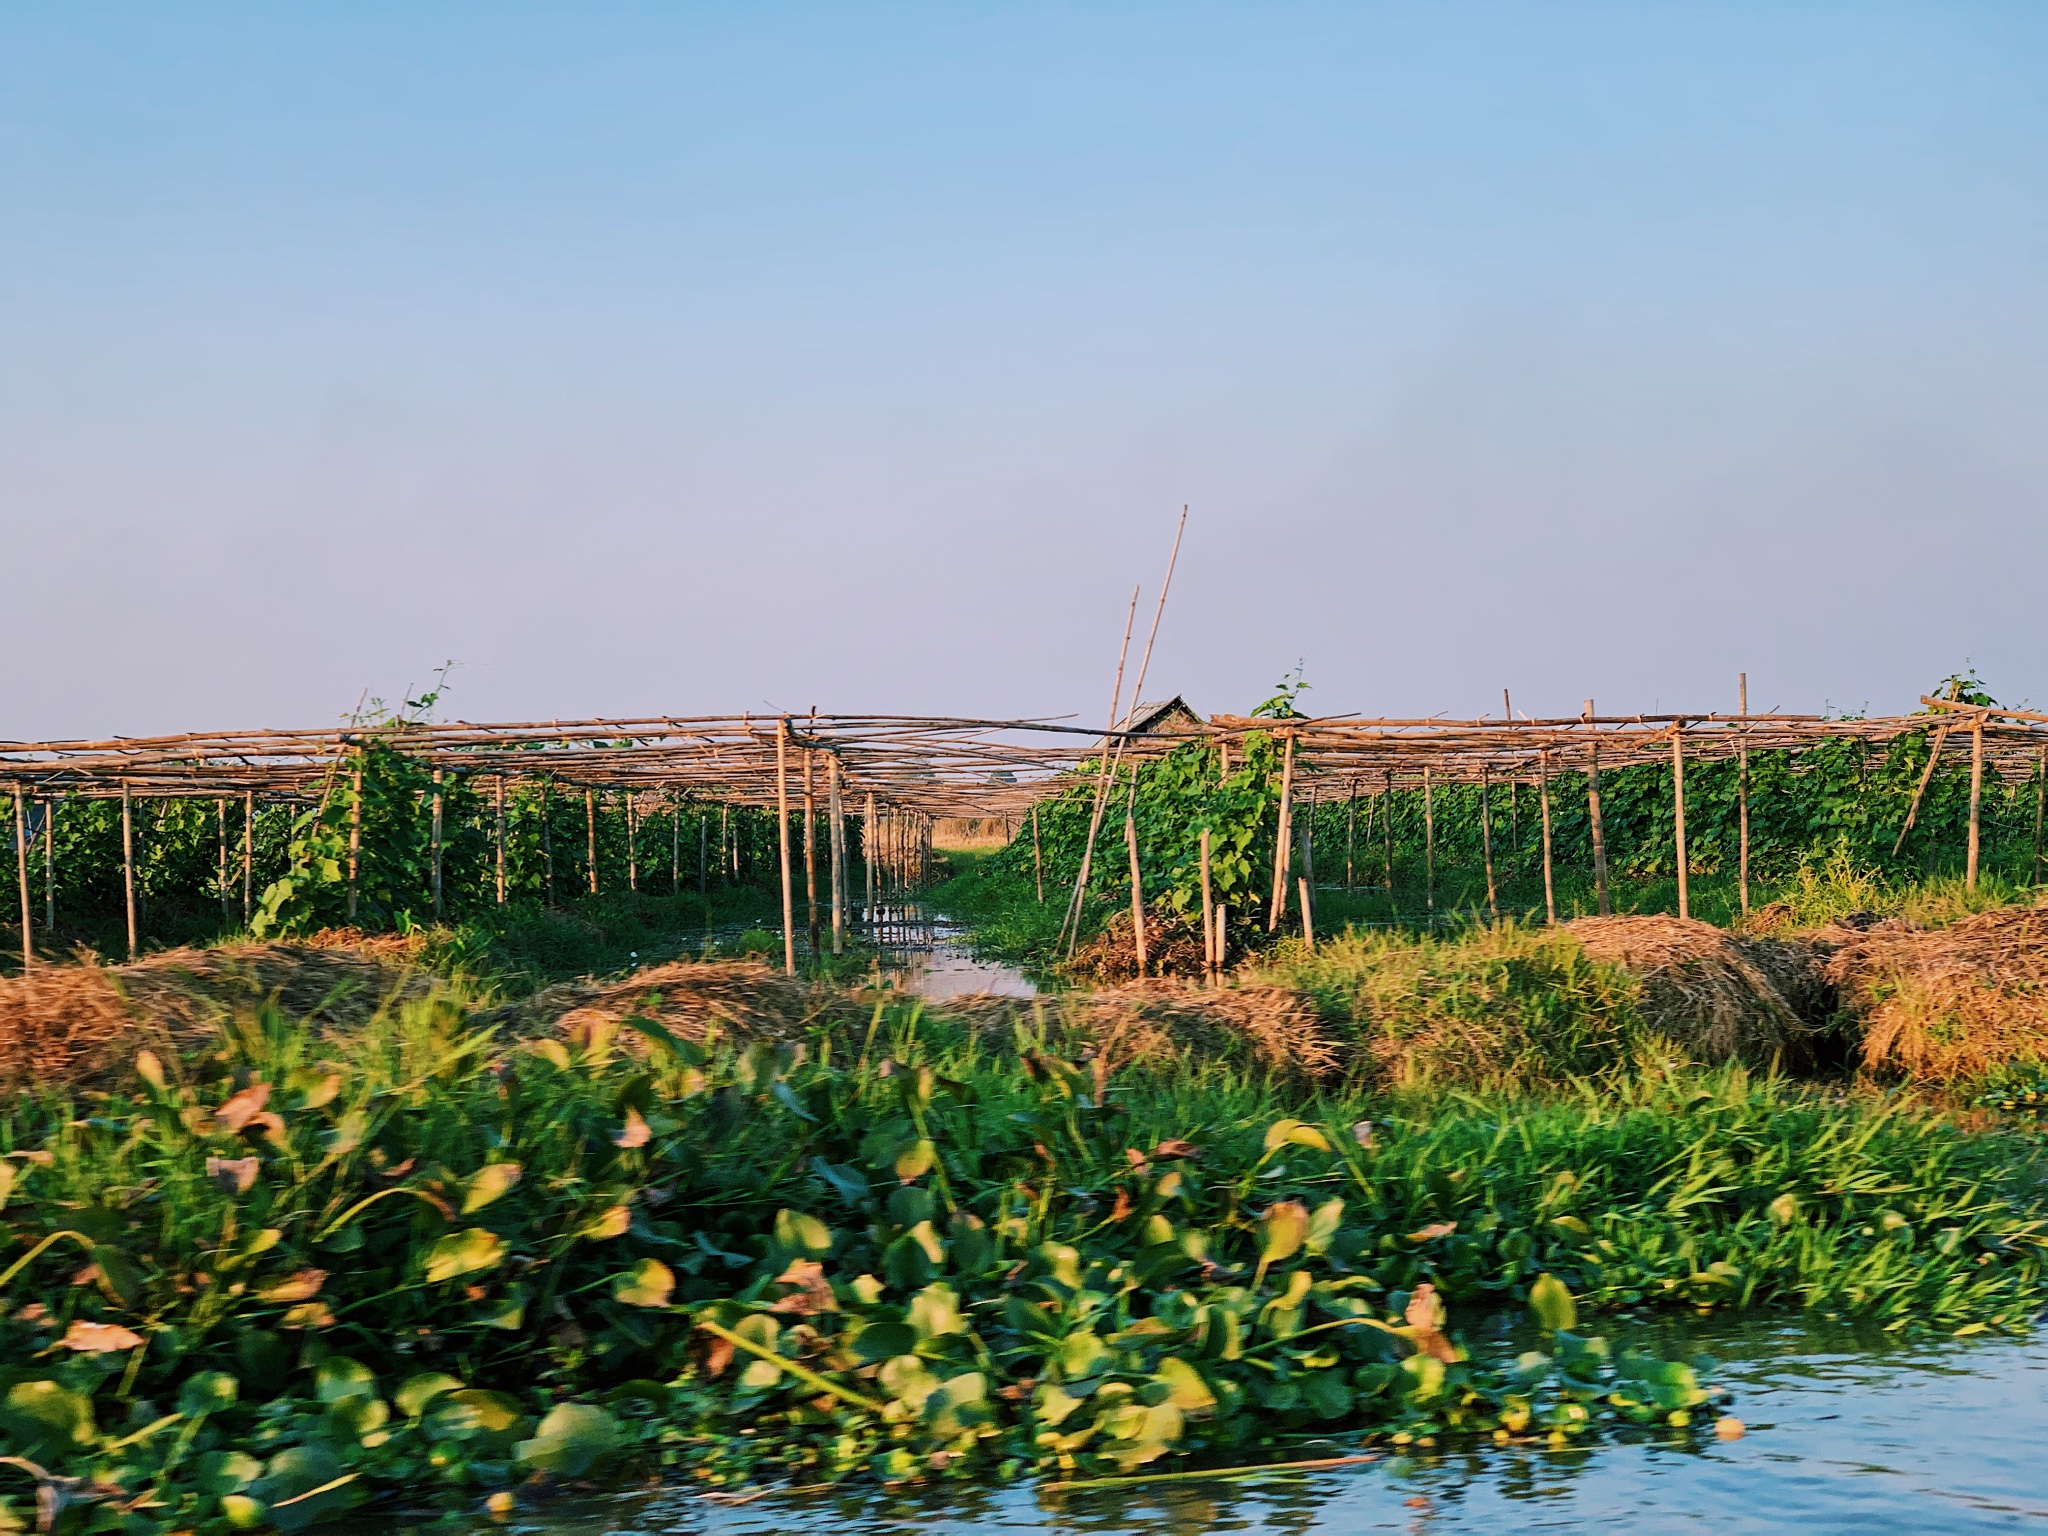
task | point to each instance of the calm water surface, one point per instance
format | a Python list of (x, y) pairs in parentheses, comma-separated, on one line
[(1846, 1432)]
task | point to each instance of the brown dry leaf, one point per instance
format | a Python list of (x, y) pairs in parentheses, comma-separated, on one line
[(611, 1222), (1122, 1208), (272, 1126), (1136, 1159), (311, 1314), (718, 1355), (90, 1275), (635, 1133), (35, 1314), (1361, 1132), (400, 1171), (236, 1175), (1426, 1318), (1433, 1231), (304, 1285), (242, 1107), (99, 1338), (813, 1293), (1173, 1147)]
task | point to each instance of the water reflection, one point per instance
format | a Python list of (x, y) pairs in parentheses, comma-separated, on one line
[(1846, 1430)]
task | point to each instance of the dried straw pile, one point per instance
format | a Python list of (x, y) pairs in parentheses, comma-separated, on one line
[(740, 999), (1942, 1004), (1721, 996), (73, 1023), (1173, 947)]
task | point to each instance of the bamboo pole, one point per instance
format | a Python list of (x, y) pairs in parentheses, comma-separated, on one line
[(632, 843), (50, 867), (1387, 832), (498, 835), (1038, 856), (1549, 884), (1429, 844), (1920, 791), (728, 851), (1308, 837), (547, 835), (1976, 799), (590, 835), (1308, 916), (1742, 790), (1678, 811), (1486, 839), (704, 857), (1283, 839), (811, 848), (870, 851), (28, 941), (1350, 835), (1599, 831), (220, 808), (675, 844), (2040, 808), (1137, 877), (1209, 945), (837, 825), (355, 836), (436, 836), (1104, 781), (782, 834), (128, 868)]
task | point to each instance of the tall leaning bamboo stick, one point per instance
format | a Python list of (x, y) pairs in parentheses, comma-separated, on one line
[(355, 836), (435, 837), (1283, 838), (1678, 810), (1486, 838), (782, 833), (1038, 856), (1137, 875), (1549, 885), (632, 842), (28, 940), (498, 835), (1308, 916), (1976, 799), (248, 854), (1210, 946), (220, 810), (1742, 788), (590, 834), (128, 869), (1104, 775), (811, 847)]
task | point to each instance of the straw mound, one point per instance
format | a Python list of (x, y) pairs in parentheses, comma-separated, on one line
[(1722, 996), (737, 998), (1158, 1020), (72, 1023), (1940, 1004), (1173, 947)]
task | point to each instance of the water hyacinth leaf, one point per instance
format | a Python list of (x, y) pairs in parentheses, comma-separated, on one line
[(1554, 1306), (1293, 1133), (571, 1439), (959, 1405), (1081, 1355), (464, 1253), (906, 1378), (506, 1312), (971, 1248), (613, 1221), (1326, 1394), (1152, 1435), (223, 1472), (649, 1283), (241, 1512), (339, 1377), (884, 1341), (1186, 1389), (797, 1233), (935, 1312), (1282, 1230), (301, 1487), (912, 1261), (916, 1159), (417, 1392), (488, 1183), (208, 1392), (848, 1183), (42, 1414), (1064, 1262), (474, 1411), (786, 1097), (1322, 1227)]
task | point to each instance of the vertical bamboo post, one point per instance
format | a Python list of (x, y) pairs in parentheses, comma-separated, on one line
[(1308, 916), (220, 808), (128, 868), (728, 856), (28, 940), (1350, 835), (1209, 944), (547, 835), (1976, 798), (1678, 810), (811, 847), (836, 812), (1137, 877), (590, 835), (50, 867), (1387, 832), (355, 835), (2040, 810), (870, 851), (1599, 831), (1742, 790), (1486, 838), (436, 844), (1429, 844), (1308, 837), (675, 844), (1038, 857), (1283, 838), (632, 842), (782, 835), (704, 857), (498, 834), (1549, 885), (248, 855)]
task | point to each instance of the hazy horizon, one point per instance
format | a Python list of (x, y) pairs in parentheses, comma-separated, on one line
[(647, 360)]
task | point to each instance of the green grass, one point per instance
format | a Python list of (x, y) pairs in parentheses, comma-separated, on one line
[(896, 1248)]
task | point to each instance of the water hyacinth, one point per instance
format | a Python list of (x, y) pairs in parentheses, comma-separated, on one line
[(461, 1263)]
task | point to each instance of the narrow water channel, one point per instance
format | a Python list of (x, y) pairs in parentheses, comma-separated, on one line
[(1846, 1431)]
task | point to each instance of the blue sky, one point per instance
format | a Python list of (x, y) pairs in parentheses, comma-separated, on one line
[(673, 358)]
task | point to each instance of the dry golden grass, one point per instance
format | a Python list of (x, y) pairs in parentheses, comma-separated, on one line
[(691, 999)]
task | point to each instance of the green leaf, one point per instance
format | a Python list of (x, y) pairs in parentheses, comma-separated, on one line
[(1553, 1305), (572, 1439), (884, 1341), (649, 1283), (958, 1406), (1282, 1230), (487, 1184), (935, 1311), (798, 1233), (41, 1417), (464, 1253), (207, 1392), (474, 1411), (1322, 1226), (916, 1159), (238, 1509), (287, 1487), (1185, 1388), (339, 1377), (418, 1391), (506, 1312), (1292, 1133), (224, 1472)]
